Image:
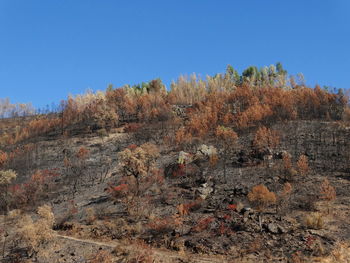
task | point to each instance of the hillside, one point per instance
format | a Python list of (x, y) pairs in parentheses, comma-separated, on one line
[(234, 168)]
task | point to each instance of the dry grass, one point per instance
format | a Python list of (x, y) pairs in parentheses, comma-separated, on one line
[(340, 254), (314, 221), (34, 234)]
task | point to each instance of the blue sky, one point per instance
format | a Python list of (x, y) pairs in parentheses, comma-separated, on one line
[(51, 48)]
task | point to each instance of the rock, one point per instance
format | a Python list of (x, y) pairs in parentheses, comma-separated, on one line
[(270, 243), (246, 216), (240, 190), (276, 178), (282, 230), (239, 207), (273, 228), (96, 200), (205, 150), (185, 158), (246, 210), (204, 191)]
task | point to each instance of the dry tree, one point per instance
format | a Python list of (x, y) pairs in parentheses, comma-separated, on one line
[(328, 193), (261, 197), (226, 138), (303, 165)]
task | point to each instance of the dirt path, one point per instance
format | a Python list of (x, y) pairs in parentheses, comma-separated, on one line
[(159, 254)]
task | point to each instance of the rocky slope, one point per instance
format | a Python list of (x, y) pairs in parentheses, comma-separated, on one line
[(92, 226)]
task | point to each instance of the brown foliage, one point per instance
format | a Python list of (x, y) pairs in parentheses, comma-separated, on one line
[(164, 224), (82, 153), (138, 161), (302, 164), (346, 114), (287, 167), (287, 162), (184, 209), (261, 197), (227, 135), (33, 189), (181, 136), (327, 191), (216, 101), (35, 233), (203, 224), (141, 179), (253, 115), (3, 158), (133, 127), (101, 257), (314, 221), (266, 138)]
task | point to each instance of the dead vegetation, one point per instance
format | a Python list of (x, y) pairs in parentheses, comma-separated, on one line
[(222, 170)]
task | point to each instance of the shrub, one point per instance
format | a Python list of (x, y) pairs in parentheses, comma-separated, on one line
[(133, 127), (30, 191), (288, 171), (327, 192), (287, 162), (138, 161), (101, 257), (181, 136), (203, 224), (346, 114), (141, 180), (82, 153), (303, 165), (142, 252), (90, 215), (33, 234), (284, 197), (314, 221), (261, 197), (3, 158), (6, 177)]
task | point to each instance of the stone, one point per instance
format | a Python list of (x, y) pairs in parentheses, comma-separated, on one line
[(246, 210), (205, 191), (282, 230), (273, 228)]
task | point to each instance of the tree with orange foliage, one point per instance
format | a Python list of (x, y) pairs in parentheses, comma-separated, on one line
[(253, 114), (265, 138), (287, 167), (261, 197), (264, 142), (303, 165), (226, 139), (328, 192), (182, 137), (3, 158)]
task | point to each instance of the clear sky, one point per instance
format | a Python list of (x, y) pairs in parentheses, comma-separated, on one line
[(49, 48)]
